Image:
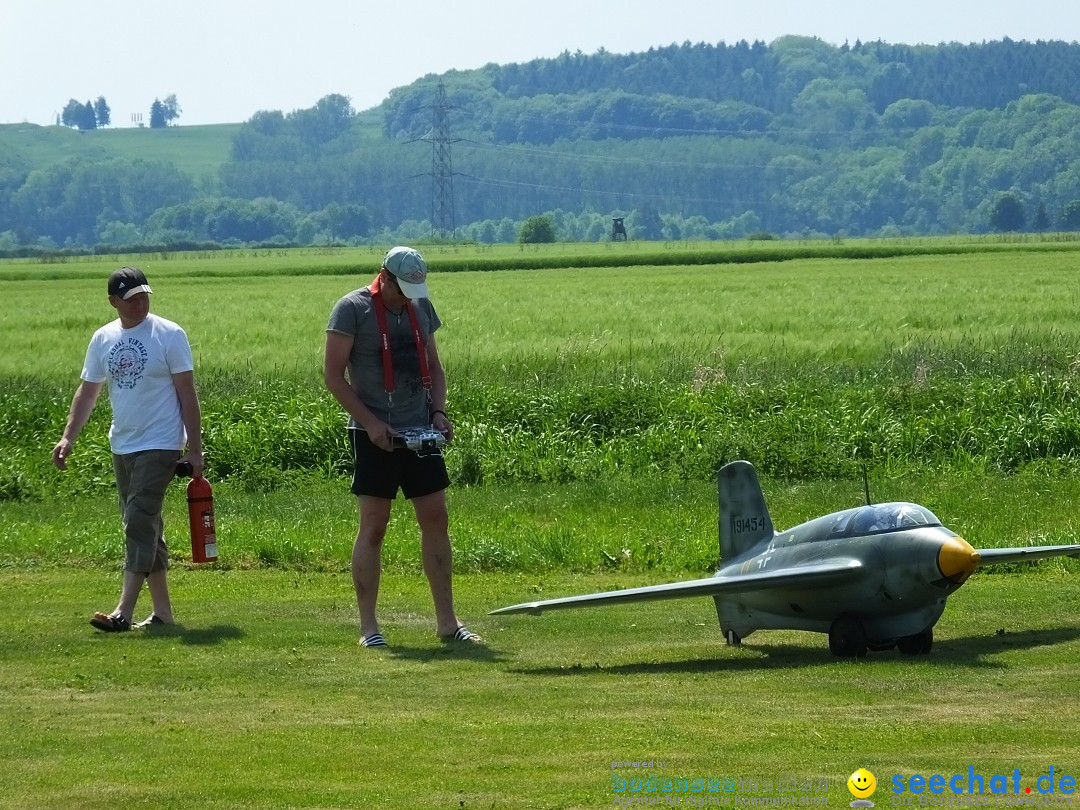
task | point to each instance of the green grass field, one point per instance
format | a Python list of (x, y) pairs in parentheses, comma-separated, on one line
[(989, 307), (261, 698), (592, 405)]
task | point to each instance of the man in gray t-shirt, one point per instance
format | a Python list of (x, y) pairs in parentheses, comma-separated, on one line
[(382, 365), (408, 405)]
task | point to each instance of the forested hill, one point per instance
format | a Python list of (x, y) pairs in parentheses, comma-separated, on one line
[(770, 76), (744, 87), (693, 141)]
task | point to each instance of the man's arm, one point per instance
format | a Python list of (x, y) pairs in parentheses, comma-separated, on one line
[(82, 405), (440, 421), (335, 364), (191, 415)]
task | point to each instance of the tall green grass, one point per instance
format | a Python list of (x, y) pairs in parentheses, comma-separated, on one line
[(792, 430), (810, 369)]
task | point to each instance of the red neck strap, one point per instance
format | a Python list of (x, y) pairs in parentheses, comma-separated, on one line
[(384, 340)]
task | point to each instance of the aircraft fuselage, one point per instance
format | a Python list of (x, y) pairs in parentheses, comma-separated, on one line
[(900, 589)]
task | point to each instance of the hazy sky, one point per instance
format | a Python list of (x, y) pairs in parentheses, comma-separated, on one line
[(226, 59)]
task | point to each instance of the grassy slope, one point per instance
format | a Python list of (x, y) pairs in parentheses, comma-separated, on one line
[(195, 150), (262, 699)]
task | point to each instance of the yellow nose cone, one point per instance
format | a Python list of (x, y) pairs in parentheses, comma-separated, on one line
[(957, 559)]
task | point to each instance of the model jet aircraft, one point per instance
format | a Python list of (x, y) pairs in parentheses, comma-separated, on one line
[(874, 577)]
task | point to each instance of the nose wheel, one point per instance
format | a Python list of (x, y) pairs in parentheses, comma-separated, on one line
[(847, 637), (918, 644)]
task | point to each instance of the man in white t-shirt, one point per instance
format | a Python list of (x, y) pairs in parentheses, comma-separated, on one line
[(147, 363)]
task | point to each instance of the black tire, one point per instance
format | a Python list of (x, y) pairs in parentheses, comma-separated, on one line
[(918, 644), (847, 638)]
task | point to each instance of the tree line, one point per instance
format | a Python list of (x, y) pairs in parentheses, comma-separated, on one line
[(89, 116), (796, 138)]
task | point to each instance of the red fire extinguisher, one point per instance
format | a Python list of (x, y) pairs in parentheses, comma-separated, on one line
[(200, 498)]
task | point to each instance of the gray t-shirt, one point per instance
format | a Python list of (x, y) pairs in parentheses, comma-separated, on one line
[(354, 314)]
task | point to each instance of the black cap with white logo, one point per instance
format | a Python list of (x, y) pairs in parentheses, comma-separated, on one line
[(128, 281)]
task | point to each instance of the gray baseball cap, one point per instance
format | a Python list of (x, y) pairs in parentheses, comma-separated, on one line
[(410, 270)]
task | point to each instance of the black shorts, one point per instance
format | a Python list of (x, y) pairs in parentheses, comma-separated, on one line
[(380, 474)]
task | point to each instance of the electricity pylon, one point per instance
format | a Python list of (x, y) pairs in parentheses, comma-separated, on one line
[(442, 170)]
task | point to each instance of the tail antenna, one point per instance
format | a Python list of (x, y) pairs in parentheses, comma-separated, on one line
[(866, 484)]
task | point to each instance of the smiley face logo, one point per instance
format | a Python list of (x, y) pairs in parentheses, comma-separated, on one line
[(862, 784)]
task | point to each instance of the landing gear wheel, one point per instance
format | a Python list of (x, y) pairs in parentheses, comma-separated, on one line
[(733, 639), (847, 638), (918, 644)]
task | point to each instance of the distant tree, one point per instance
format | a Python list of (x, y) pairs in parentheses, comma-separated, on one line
[(907, 114), (537, 229), (346, 220), (268, 122), (79, 116), (485, 232), (223, 219), (87, 118), (119, 234), (1070, 216), (647, 223), (157, 115), (330, 117), (830, 111), (102, 111), (1041, 222), (72, 113), (1007, 213), (505, 231), (171, 108)]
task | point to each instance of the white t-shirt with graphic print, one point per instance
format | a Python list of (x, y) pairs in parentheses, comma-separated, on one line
[(139, 363)]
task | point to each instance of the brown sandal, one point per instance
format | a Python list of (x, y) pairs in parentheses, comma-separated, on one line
[(109, 624)]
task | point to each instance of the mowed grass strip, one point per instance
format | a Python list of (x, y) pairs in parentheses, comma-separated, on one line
[(261, 698)]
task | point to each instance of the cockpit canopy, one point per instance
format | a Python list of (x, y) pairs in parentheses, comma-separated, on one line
[(884, 517)]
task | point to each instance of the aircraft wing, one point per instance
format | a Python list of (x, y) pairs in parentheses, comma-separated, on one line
[(827, 574), (988, 556)]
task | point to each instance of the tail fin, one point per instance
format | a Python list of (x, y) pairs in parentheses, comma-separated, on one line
[(744, 518)]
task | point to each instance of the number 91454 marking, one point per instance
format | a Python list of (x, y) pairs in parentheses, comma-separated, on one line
[(741, 525)]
